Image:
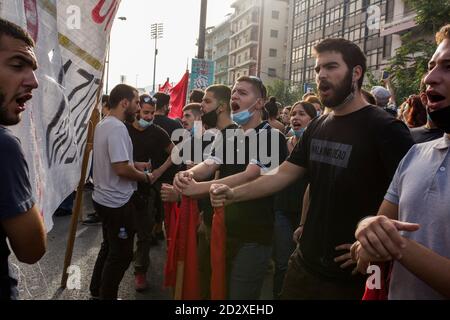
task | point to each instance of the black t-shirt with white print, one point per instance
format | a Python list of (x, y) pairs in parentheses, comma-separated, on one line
[(350, 161)]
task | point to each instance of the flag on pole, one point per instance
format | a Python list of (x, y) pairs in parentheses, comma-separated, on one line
[(171, 221), (71, 38), (187, 285), (178, 96), (218, 255)]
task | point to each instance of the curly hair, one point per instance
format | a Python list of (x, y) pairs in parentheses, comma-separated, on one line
[(416, 115)]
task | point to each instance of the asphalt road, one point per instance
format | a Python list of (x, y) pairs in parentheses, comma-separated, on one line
[(42, 280)]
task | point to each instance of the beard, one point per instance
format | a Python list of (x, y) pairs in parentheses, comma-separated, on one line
[(6, 120), (130, 117), (340, 92)]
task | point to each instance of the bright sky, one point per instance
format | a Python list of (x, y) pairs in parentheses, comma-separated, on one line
[(132, 49)]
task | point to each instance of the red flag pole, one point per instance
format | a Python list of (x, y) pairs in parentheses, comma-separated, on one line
[(218, 255)]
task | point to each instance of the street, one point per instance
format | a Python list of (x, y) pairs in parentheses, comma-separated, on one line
[(42, 280)]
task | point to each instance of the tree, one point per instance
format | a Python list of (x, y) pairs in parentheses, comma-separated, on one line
[(284, 94), (410, 62)]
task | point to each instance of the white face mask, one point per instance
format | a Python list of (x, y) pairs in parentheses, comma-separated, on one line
[(145, 124)]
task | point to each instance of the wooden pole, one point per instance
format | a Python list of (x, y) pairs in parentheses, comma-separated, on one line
[(95, 117)]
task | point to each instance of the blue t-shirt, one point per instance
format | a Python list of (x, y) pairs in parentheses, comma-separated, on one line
[(15, 198)]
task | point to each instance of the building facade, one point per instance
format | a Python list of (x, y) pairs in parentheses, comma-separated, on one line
[(374, 25), (218, 48), (258, 39)]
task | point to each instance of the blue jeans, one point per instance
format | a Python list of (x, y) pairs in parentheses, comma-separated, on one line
[(283, 248), (248, 269)]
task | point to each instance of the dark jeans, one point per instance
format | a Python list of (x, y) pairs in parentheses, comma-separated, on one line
[(299, 284), (115, 253), (283, 248), (144, 215)]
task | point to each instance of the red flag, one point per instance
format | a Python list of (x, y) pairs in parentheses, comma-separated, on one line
[(187, 278), (166, 87), (178, 96), (218, 255), (171, 224)]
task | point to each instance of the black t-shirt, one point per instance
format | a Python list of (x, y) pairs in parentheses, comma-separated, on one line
[(205, 203), (252, 221), (423, 134), (150, 144), (169, 126), (15, 198), (350, 160)]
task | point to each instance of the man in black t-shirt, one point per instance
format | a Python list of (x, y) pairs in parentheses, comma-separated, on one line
[(351, 155), (238, 155), (152, 145), (20, 219)]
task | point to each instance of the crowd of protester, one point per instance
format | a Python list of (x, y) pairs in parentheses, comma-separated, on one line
[(352, 180)]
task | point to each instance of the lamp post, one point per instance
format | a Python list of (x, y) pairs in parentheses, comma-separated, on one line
[(107, 57), (157, 30)]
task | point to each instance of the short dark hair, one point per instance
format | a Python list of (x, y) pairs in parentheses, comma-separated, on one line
[(120, 92), (352, 54), (222, 93), (443, 34), (309, 108), (12, 30), (162, 100), (272, 107), (196, 96), (257, 84), (196, 108)]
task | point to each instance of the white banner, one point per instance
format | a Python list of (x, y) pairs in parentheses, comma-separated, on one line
[(71, 38)]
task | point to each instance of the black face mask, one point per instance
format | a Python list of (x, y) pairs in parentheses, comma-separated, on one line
[(210, 119), (441, 118)]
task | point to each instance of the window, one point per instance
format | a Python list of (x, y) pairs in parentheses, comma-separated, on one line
[(239, 59), (299, 30), (300, 7), (298, 53), (316, 23), (296, 76), (389, 11), (272, 53), (387, 46), (275, 14), (354, 7), (274, 33), (272, 72), (334, 15)]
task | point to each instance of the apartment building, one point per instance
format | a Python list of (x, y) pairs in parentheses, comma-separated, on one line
[(217, 49), (375, 25)]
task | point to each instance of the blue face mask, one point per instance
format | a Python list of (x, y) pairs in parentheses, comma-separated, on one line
[(145, 124), (193, 131), (299, 133), (243, 117)]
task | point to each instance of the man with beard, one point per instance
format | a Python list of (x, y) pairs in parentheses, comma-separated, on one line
[(249, 225), (419, 193), (20, 219), (150, 143), (350, 156), (115, 177)]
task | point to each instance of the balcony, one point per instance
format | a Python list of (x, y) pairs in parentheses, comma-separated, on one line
[(245, 46), (250, 25), (398, 26), (249, 61)]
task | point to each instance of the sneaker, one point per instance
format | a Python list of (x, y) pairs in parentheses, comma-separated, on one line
[(92, 220), (140, 282)]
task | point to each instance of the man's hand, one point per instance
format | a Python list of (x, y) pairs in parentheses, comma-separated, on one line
[(142, 166), (221, 195), (191, 189), (169, 194), (380, 236), (297, 234), (181, 180), (346, 258)]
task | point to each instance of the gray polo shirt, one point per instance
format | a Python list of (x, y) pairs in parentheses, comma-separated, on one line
[(421, 189)]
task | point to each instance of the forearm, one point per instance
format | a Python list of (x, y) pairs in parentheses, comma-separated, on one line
[(305, 206), (131, 173), (428, 266), (269, 184), (203, 171), (166, 165)]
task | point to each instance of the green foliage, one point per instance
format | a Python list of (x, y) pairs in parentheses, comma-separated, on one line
[(409, 65), (410, 62), (431, 15), (285, 95)]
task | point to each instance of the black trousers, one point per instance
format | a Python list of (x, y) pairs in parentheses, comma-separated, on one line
[(115, 253)]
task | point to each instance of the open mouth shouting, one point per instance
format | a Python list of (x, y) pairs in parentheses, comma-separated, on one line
[(21, 101), (436, 100), (235, 107), (325, 88)]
